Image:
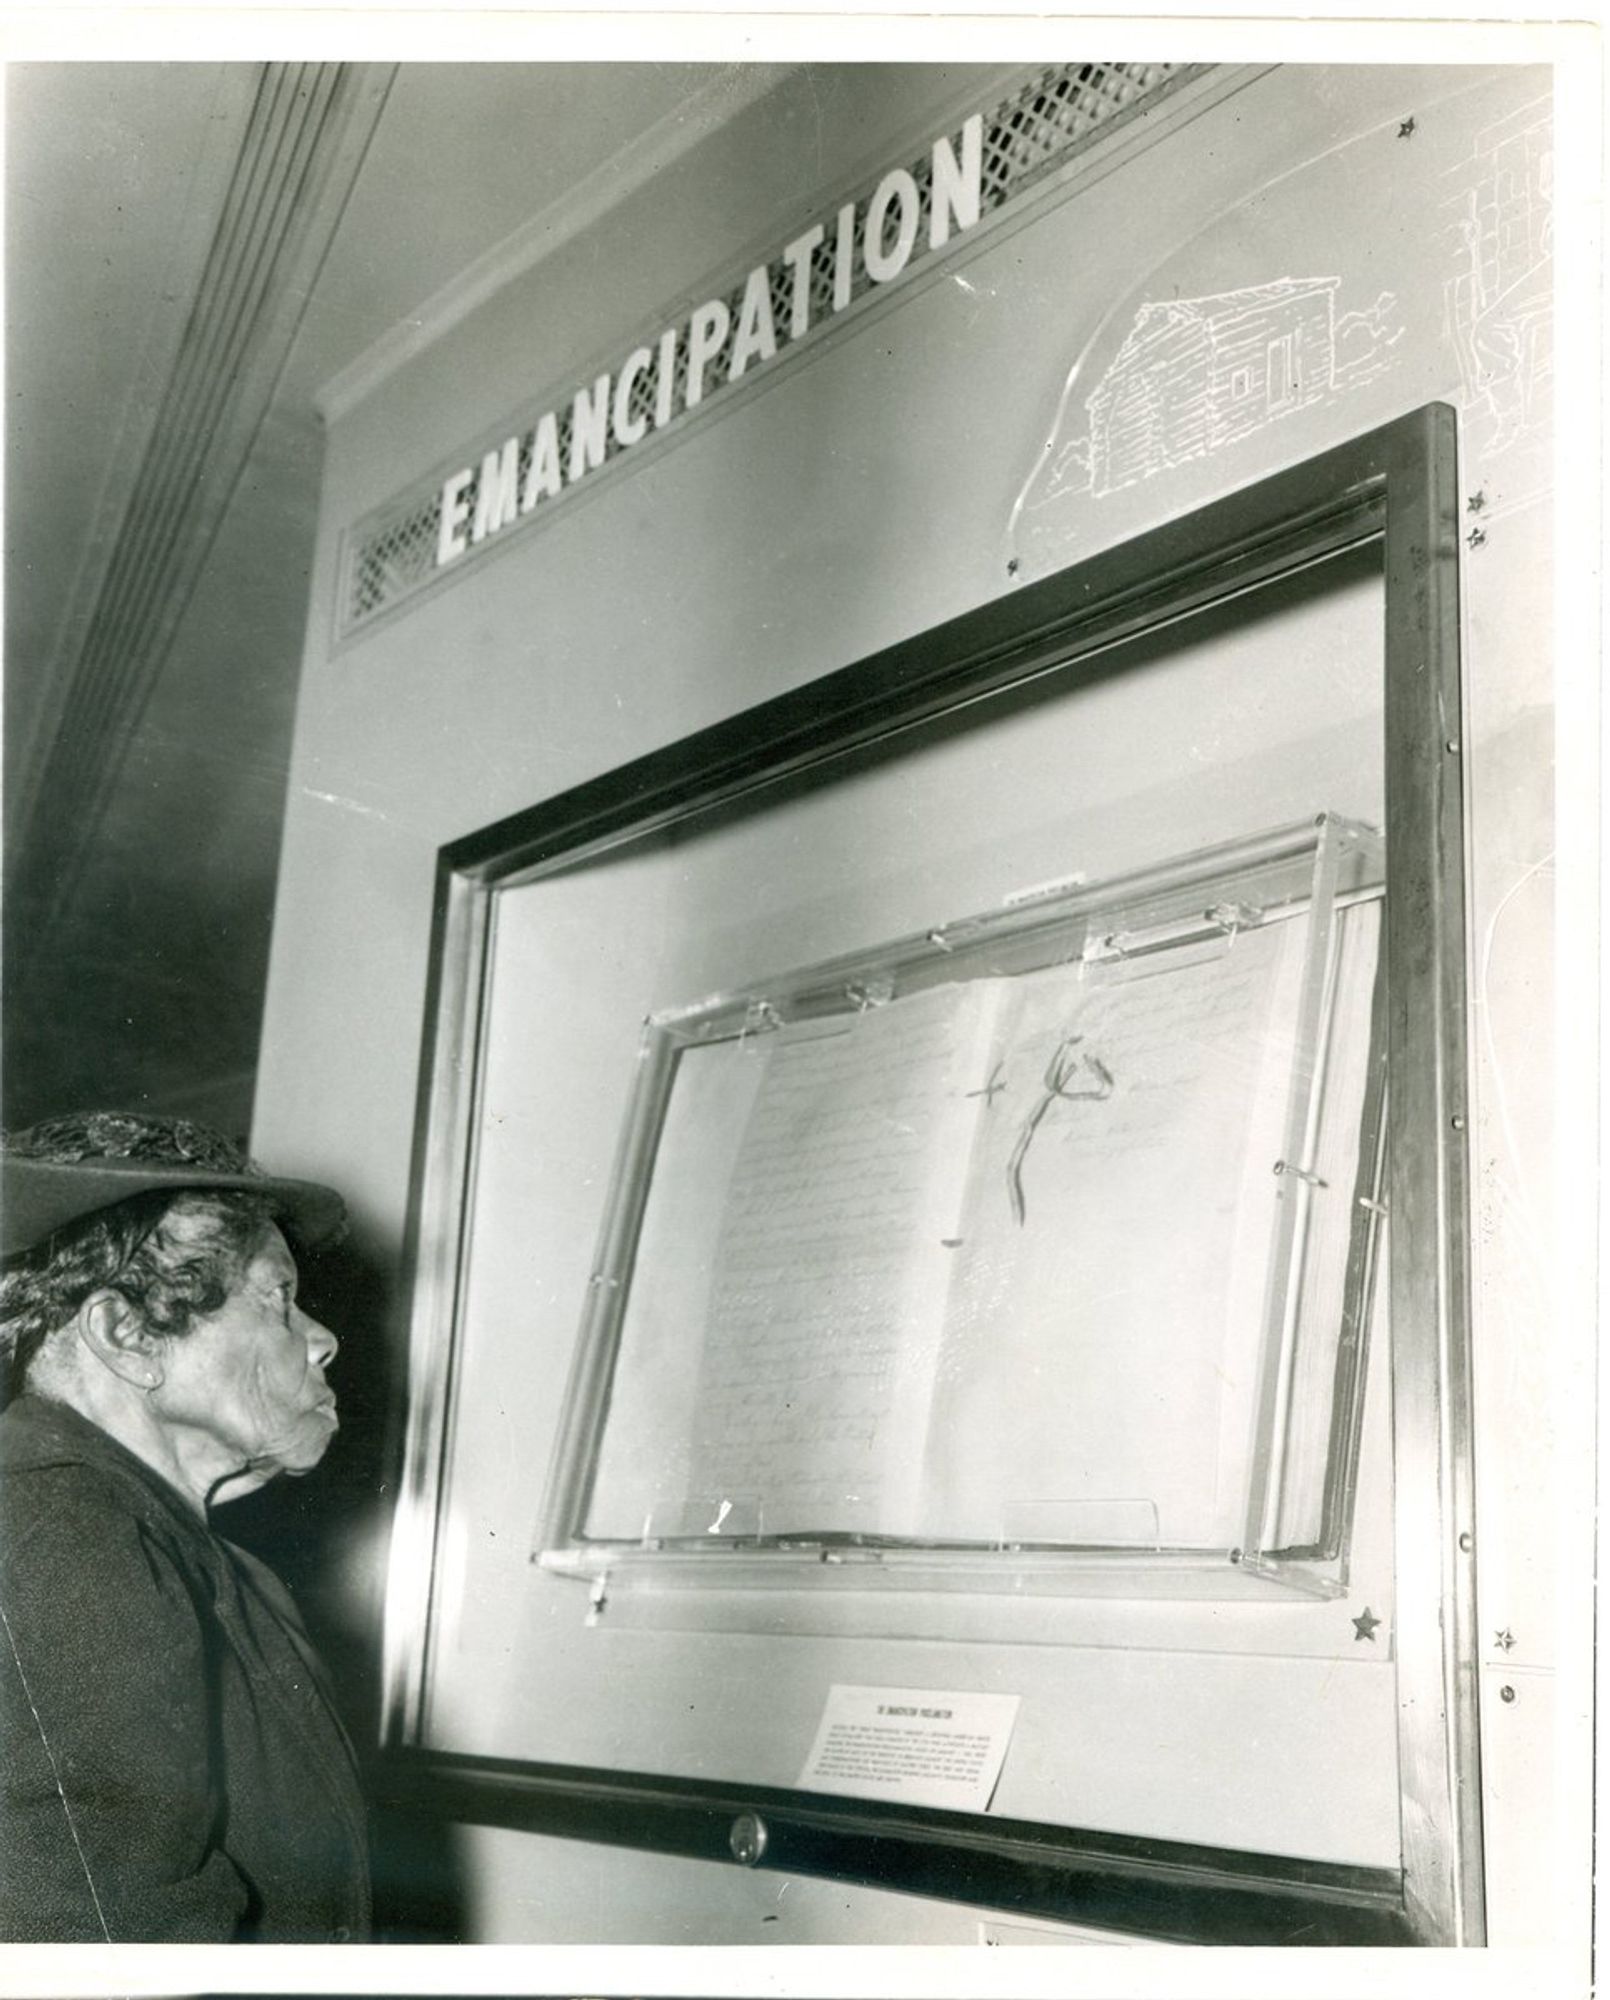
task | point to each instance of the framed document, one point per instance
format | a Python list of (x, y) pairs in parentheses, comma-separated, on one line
[(939, 1259), (1042, 1238)]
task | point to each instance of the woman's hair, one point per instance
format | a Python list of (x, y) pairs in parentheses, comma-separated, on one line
[(167, 1275)]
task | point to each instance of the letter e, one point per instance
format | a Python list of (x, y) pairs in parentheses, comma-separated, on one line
[(450, 541)]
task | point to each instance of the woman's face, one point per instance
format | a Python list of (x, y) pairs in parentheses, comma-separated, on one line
[(245, 1386)]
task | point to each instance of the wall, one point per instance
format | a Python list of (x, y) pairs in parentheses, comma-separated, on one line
[(907, 468)]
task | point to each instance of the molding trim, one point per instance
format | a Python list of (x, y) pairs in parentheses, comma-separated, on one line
[(210, 168), (734, 89), (305, 138), (1161, 1891)]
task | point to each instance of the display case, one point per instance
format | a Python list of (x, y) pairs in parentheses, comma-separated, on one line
[(945, 1194)]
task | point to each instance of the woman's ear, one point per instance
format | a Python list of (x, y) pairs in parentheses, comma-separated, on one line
[(119, 1339)]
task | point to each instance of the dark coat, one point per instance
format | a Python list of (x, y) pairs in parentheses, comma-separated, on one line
[(172, 1768)]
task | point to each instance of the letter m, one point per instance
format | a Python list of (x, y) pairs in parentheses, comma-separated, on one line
[(497, 493)]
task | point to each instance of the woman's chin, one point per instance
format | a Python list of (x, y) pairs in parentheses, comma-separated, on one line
[(309, 1450), (301, 1452)]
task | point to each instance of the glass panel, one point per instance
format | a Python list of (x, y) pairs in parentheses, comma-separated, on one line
[(1260, 714), (830, 1310)]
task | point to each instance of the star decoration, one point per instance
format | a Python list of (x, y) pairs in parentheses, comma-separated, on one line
[(1506, 1639), (1476, 503), (1476, 537), (1406, 129), (1365, 1624)]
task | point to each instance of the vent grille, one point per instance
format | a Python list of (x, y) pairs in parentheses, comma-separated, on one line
[(1025, 138)]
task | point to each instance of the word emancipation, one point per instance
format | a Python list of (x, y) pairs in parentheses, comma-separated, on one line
[(659, 382)]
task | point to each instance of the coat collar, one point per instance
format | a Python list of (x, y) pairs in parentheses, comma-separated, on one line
[(38, 1434)]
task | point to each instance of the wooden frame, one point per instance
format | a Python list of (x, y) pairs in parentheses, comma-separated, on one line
[(1394, 487)]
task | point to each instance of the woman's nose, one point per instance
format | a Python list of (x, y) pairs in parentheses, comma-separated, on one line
[(322, 1345)]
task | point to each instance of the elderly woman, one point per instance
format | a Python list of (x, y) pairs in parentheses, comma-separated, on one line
[(172, 1768)]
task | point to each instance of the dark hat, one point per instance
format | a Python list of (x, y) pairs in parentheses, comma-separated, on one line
[(54, 1173)]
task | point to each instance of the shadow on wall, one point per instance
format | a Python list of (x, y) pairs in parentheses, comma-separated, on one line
[(325, 1535)]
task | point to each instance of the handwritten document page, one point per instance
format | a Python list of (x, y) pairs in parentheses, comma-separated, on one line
[(830, 1275), (641, 1482), (916, 1746), (986, 1263), (1096, 1375)]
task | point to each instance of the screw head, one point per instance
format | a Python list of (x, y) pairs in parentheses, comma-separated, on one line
[(747, 1839)]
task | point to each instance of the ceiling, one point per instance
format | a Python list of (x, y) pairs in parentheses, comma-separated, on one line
[(194, 253)]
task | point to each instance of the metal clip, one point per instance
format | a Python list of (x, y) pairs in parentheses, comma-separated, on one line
[(760, 1017), (1233, 917), (865, 993), (1222, 920)]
